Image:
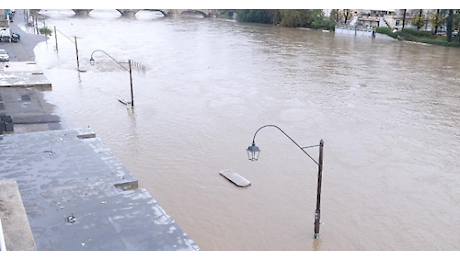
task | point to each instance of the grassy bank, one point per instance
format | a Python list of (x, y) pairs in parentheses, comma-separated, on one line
[(419, 36)]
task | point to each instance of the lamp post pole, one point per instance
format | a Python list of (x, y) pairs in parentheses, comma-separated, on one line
[(73, 41), (128, 70), (253, 155), (318, 190), (55, 37), (131, 83), (76, 50)]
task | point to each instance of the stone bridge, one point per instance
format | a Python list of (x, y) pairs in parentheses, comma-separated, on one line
[(165, 12)]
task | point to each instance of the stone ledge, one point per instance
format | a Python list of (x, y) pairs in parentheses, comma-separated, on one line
[(16, 228)]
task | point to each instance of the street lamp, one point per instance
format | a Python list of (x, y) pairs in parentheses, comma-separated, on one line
[(92, 61), (253, 155), (253, 152)]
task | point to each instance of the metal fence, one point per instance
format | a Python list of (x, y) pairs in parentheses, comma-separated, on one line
[(356, 27), (353, 30)]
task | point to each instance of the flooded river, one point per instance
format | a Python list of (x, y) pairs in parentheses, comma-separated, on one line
[(388, 112)]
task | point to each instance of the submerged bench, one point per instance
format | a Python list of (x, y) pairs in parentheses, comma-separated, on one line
[(234, 177)]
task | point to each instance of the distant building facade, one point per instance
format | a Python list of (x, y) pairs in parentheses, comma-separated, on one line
[(4, 19), (392, 18)]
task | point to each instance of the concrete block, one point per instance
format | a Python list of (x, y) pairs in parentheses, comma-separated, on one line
[(16, 228), (85, 133)]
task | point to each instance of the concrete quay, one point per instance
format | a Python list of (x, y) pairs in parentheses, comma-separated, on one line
[(23, 74), (22, 85), (28, 109), (78, 196)]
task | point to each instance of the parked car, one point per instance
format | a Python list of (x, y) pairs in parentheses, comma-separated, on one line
[(5, 34), (4, 55)]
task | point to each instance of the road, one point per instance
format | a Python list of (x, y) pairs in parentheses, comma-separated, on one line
[(22, 50), (27, 106)]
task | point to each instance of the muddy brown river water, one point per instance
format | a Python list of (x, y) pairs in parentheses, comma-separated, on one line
[(388, 112)]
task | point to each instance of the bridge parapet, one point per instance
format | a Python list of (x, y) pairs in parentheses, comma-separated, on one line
[(166, 12)]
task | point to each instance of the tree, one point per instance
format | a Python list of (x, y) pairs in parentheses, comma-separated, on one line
[(419, 19), (255, 15), (449, 24), (290, 17), (320, 22), (404, 18), (347, 13), (336, 15), (457, 22), (436, 20), (296, 17), (287, 17), (276, 16)]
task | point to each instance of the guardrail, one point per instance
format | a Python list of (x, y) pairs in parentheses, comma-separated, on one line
[(2, 238), (355, 31), (356, 28)]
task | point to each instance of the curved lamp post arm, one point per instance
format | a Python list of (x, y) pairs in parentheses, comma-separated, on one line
[(300, 147), (128, 70), (253, 152), (109, 57)]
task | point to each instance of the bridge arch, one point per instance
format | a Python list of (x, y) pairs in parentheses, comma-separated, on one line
[(192, 11), (82, 12), (128, 12), (163, 12), (229, 11)]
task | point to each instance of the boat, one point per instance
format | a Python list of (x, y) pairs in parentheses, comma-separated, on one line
[(326, 31)]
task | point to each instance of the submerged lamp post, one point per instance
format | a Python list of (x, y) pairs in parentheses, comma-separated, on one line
[(253, 155), (91, 61)]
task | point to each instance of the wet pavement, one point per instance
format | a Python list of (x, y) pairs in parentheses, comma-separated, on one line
[(22, 84), (23, 50), (76, 193), (22, 98), (78, 196), (22, 74)]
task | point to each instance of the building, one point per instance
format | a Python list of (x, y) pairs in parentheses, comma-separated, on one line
[(391, 18), (4, 21), (372, 19), (395, 20)]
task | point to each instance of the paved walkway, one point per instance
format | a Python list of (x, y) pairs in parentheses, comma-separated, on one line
[(60, 175), (22, 82), (23, 50), (76, 193), (20, 52)]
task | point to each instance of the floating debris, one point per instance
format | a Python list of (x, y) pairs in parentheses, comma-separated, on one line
[(70, 219), (50, 152)]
